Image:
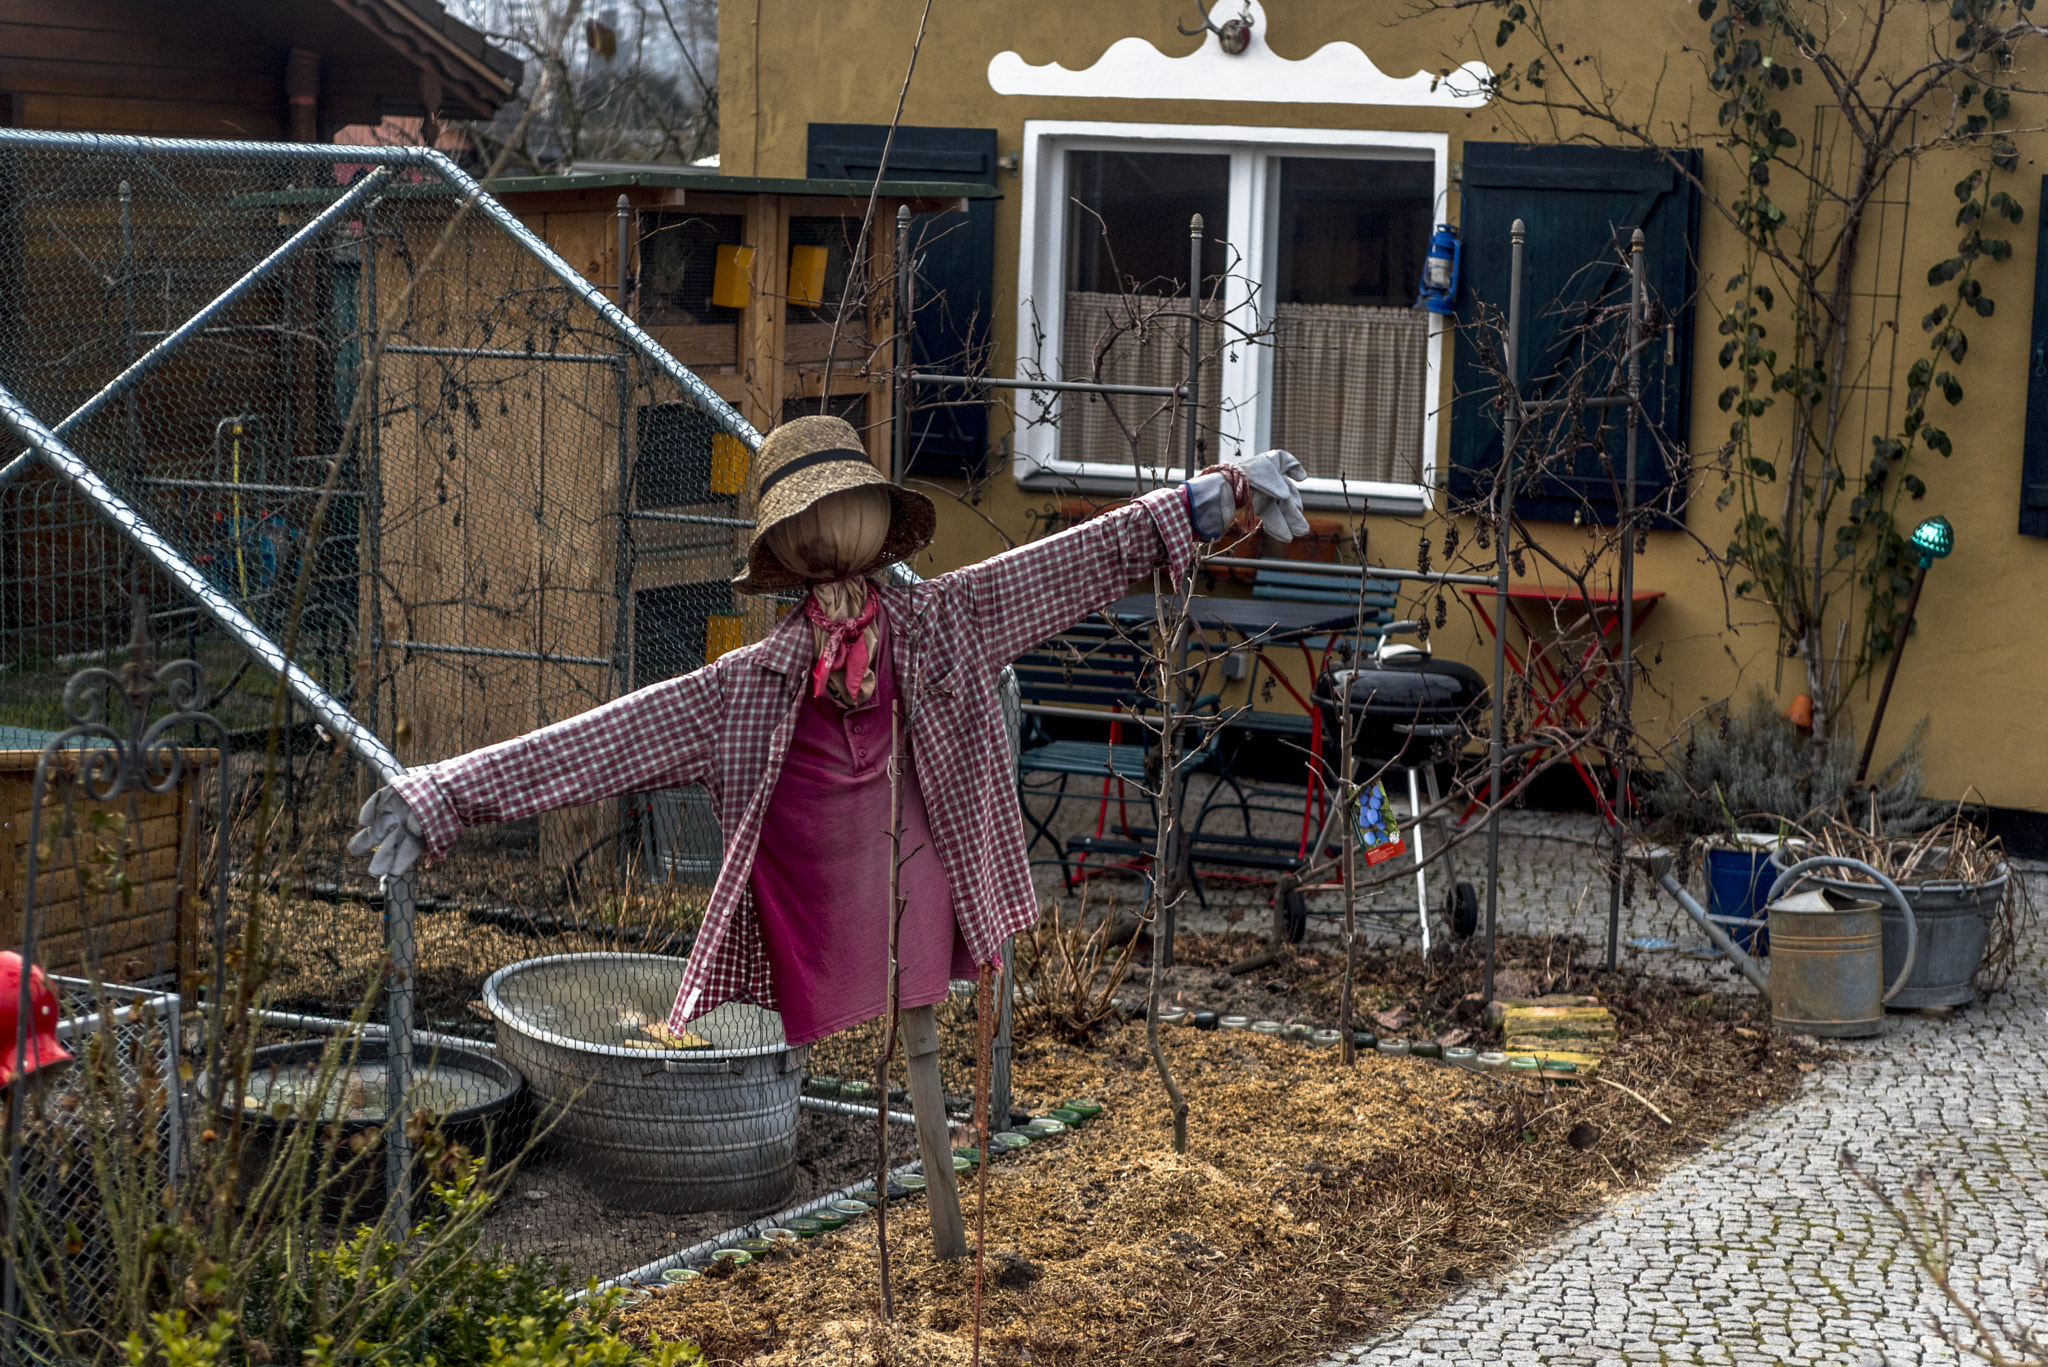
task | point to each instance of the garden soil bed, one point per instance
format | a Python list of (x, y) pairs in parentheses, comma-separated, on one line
[(547, 1209), (1315, 1202)]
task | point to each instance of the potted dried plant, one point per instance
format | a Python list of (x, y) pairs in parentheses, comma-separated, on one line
[(1965, 899)]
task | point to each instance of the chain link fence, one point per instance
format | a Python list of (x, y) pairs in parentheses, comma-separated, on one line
[(330, 412)]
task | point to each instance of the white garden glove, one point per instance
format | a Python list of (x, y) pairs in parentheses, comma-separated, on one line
[(1276, 478), (391, 830)]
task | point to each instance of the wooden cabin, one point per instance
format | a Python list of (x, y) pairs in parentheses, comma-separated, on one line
[(267, 70)]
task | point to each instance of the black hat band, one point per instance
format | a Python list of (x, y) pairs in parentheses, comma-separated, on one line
[(830, 456)]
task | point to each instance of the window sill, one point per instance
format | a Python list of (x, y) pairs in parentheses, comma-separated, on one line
[(1319, 495)]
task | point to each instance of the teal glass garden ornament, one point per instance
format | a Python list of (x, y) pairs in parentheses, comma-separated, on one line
[(1933, 540)]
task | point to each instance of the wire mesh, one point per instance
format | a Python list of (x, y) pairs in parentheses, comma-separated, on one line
[(448, 485)]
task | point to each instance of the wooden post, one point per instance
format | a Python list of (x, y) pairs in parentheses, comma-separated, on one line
[(934, 1143)]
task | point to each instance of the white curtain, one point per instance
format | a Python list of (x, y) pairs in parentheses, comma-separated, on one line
[(1140, 339), (1348, 390)]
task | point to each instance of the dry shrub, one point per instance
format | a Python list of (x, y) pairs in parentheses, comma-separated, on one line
[(1068, 975)]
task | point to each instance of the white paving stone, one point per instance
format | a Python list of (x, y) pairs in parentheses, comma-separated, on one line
[(1762, 1249)]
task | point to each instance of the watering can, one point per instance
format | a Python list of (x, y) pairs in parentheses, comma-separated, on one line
[(1827, 959)]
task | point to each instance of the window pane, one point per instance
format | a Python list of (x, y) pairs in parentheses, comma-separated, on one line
[(1127, 219), (1353, 231), (1124, 310), (1349, 348)]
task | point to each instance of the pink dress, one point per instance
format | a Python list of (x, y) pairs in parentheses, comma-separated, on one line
[(821, 875)]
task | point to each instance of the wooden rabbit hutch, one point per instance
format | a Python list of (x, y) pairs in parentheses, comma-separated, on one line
[(552, 521)]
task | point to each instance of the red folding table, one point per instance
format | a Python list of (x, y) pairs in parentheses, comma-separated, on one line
[(1567, 640)]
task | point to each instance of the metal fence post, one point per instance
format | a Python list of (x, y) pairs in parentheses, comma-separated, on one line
[(1504, 500)]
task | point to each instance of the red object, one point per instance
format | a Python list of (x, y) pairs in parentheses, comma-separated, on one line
[(1568, 640), (44, 1048), (1800, 713), (1380, 854), (844, 644)]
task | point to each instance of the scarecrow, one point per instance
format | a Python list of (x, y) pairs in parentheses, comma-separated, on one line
[(792, 737)]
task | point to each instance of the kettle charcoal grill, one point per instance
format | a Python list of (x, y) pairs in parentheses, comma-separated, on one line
[(1411, 712), (1411, 708)]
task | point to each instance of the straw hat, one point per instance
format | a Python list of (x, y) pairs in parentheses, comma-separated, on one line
[(801, 462)]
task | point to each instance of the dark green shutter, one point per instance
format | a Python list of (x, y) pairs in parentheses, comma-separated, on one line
[(956, 286), (1577, 206), (2034, 442)]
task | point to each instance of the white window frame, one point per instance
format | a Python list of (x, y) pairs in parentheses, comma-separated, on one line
[(1254, 185)]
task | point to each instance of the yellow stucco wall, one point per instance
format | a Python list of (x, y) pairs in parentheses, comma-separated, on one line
[(1976, 664)]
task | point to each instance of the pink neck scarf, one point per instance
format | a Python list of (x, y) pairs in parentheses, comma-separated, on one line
[(841, 640)]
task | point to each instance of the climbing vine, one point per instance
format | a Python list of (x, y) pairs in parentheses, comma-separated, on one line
[(1814, 108)]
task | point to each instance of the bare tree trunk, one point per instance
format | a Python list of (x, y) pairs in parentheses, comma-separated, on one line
[(1169, 859), (984, 1017), (894, 989)]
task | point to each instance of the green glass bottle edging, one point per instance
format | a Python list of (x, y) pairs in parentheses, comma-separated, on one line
[(857, 1091), (1082, 1106), (851, 1209), (822, 1086), (676, 1276), (738, 1257), (912, 1182), (828, 1219), (1426, 1049), (1393, 1048), (754, 1248), (1234, 1023), (1066, 1117), (807, 1228)]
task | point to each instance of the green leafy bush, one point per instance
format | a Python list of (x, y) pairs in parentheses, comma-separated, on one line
[(418, 1299)]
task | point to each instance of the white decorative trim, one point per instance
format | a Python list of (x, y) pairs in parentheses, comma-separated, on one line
[(1336, 73), (1036, 462)]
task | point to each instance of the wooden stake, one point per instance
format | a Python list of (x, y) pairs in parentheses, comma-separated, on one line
[(934, 1145)]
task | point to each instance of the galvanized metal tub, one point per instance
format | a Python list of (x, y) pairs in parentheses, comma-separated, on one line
[(651, 1128), (1954, 921)]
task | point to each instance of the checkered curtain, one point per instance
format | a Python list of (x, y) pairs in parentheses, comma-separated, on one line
[(1150, 348), (1348, 390)]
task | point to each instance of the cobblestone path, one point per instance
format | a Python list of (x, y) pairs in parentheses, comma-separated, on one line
[(1763, 1249)]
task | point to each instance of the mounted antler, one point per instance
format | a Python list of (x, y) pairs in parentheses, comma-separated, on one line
[(1234, 35)]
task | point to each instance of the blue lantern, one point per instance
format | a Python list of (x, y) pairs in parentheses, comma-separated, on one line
[(1440, 272)]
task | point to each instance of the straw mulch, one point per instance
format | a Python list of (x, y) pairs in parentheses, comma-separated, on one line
[(1315, 1203)]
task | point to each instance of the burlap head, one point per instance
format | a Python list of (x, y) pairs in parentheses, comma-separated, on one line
[(801, 462)]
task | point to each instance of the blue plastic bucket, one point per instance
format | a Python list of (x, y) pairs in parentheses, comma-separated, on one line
[(1737, 881)]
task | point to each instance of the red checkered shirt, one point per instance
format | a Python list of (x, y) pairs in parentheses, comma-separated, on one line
[(728, 726)]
